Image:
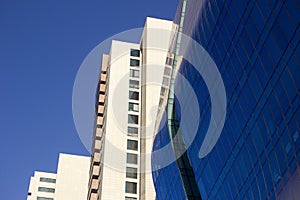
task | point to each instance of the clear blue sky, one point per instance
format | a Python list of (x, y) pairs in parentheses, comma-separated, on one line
[(42, 45)]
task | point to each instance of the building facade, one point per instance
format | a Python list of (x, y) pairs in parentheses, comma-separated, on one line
[(42, 186), (128, 91), (255, 47), (69, 183)]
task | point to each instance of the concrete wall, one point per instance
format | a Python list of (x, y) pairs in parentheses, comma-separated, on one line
[(72, 177), (116, 123), (155, 45)]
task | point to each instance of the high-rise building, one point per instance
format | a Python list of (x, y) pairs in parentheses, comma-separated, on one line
[(254, 46), (69, 183), (128, 90)]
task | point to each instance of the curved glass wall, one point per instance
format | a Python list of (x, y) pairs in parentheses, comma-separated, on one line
[(255, 45)]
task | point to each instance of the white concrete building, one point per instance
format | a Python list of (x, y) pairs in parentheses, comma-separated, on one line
[(69, 183), (42, 186), (128, 98)]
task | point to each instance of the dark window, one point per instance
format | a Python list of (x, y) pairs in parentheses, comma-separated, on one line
[(167, 71), (134, 63), (162, 91), (95, 177), (131, 172), (132, 130), (131, 158), (133, 119), (96, 163), (134, 73), (94, 191), (133, 95), (130, 187), (169, 61), (43, 198), (44, 189), (98, 138), (99, 126), (130, 198), (165, 81), (47, 180), (135, 53), (134, 84), (133, 107), (132, 144)]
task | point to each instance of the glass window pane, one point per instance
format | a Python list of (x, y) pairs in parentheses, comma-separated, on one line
[(131, 172), (132, 144), (131, 158), (134, 73), (133, 107), (133, 119), (133, 95), (130, 187), (44, 189), (130, 198), (47, 180), (134, 84), (43, 198), (132, 130), (134, 63), (135, 52)]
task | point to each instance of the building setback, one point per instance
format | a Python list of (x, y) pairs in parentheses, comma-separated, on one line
[(69, 183)]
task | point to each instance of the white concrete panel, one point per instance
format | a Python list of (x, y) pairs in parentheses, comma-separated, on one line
[(155, 46), (72, 177)]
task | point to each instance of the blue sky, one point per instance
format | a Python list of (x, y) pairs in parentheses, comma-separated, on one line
[(42, 45)]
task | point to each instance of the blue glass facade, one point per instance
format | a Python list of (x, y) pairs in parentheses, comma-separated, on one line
[(255, 45)]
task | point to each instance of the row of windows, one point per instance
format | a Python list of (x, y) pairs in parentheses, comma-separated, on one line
[(133, 106), (133, 95)]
